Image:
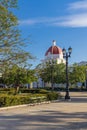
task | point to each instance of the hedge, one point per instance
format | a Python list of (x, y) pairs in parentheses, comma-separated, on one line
[(11, 100)]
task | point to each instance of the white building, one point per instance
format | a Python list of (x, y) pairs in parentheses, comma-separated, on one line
[(54, 53)]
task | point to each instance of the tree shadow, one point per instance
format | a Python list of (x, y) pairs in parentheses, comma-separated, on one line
[(75, 100), (44, 120)]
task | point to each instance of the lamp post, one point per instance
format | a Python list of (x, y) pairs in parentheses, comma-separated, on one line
[(66, 55), (86, 78)]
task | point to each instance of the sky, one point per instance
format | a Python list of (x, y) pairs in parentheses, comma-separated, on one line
[(43, 21)]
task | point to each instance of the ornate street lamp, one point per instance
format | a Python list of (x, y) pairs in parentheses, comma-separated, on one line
[(66, 55)]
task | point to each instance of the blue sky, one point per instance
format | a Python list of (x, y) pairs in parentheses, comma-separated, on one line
[(62, 20)]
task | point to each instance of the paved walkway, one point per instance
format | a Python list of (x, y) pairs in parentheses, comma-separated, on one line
[(54, 116)]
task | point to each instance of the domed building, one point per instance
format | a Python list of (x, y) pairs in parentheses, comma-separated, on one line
[(54, 53)]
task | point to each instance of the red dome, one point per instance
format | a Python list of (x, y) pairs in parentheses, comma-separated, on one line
[(53, 50)]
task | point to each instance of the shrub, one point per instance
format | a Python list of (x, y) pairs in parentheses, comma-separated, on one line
[(53, 96), (25, 98), (43, 91), (10, 100), (29, 90)]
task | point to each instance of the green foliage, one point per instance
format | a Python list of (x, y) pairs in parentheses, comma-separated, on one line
[(12, 46), (43, 91), (17, 76), (9, 99), (53, 96), (9, 3), (60, 76), (77, 74), (33, 91), (13, 54), (54, 71)]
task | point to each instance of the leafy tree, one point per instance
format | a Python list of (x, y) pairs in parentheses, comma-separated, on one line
[(18, 76), (60, 73), (12, 46), (54, 73), (77, 74), (13, 49)]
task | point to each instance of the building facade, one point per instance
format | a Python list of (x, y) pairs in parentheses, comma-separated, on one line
[(53, 54)]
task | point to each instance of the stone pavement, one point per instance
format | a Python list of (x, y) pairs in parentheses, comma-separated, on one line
[(60, 115)]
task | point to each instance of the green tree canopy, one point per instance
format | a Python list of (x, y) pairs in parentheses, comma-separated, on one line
[(77, 73), (17, 76), (55, 72), (12, 46)]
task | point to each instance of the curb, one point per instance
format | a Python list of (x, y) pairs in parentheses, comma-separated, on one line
[(24, 105)]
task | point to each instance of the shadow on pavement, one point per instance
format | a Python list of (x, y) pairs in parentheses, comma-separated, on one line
[(45, 120), (76, 100)]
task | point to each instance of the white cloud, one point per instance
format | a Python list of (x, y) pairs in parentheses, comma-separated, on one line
[(27, 22), (78, 5), (41, 20), (78, 19)]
